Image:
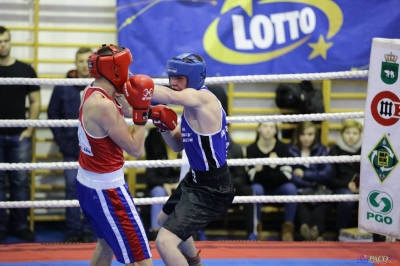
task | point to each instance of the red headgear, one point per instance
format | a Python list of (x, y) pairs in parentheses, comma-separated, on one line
[(114, 67)]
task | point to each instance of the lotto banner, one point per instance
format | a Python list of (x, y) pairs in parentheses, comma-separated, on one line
[(379, 210), (245, 37)]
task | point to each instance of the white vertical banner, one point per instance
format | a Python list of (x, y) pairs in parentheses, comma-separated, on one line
[(379, 208)]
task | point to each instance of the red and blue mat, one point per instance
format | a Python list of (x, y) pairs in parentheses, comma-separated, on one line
[(221, 253)]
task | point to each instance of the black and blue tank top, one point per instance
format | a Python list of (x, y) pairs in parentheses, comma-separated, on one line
[(205, 151)]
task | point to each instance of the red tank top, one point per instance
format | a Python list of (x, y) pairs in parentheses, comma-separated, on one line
[(98, 154)]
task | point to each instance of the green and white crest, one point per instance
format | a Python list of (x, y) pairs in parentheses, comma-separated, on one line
[(383, 158), (390, 70)]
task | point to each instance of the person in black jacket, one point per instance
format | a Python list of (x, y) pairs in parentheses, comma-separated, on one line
[(272, 179), (64, 104), (345, 175)]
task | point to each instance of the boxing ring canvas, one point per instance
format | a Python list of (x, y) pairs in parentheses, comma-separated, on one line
[(221, 253)]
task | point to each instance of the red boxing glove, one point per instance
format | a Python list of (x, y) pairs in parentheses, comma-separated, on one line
[(164, 118), (138, 91)]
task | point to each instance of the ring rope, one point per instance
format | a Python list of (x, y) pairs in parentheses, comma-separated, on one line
[(236, 119), (209, 80), (162, 200), (178, 162)]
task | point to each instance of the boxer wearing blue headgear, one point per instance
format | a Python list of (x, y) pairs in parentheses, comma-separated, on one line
[(203, 134), (192, 66)]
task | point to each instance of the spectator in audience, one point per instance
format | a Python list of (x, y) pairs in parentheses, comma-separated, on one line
[(272, 179), (345, 175), (161, 181), (311, 179), (16, 143), (64, 104)]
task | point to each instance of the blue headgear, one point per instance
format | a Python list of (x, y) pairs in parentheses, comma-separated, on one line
[(192, 66)]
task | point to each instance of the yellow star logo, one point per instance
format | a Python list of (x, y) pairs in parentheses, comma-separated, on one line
[(319, 48)]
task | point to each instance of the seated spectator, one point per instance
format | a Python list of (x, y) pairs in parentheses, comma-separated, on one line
[(344, 174), (272, 179), (161, 181), (310, 178)]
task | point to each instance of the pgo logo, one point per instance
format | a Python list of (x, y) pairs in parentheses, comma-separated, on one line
[(385, 108), (380, 202)]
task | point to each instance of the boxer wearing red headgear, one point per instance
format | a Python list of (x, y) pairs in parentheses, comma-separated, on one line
[(103, 135), (112, 64)]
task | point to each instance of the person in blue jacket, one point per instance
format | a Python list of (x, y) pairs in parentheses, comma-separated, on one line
[(311, 179), (64, 104)]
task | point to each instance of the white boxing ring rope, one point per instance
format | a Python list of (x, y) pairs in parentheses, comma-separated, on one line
[(209, 80), (174, 163)]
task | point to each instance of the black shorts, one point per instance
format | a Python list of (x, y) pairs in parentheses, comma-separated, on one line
[(194, 205)]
